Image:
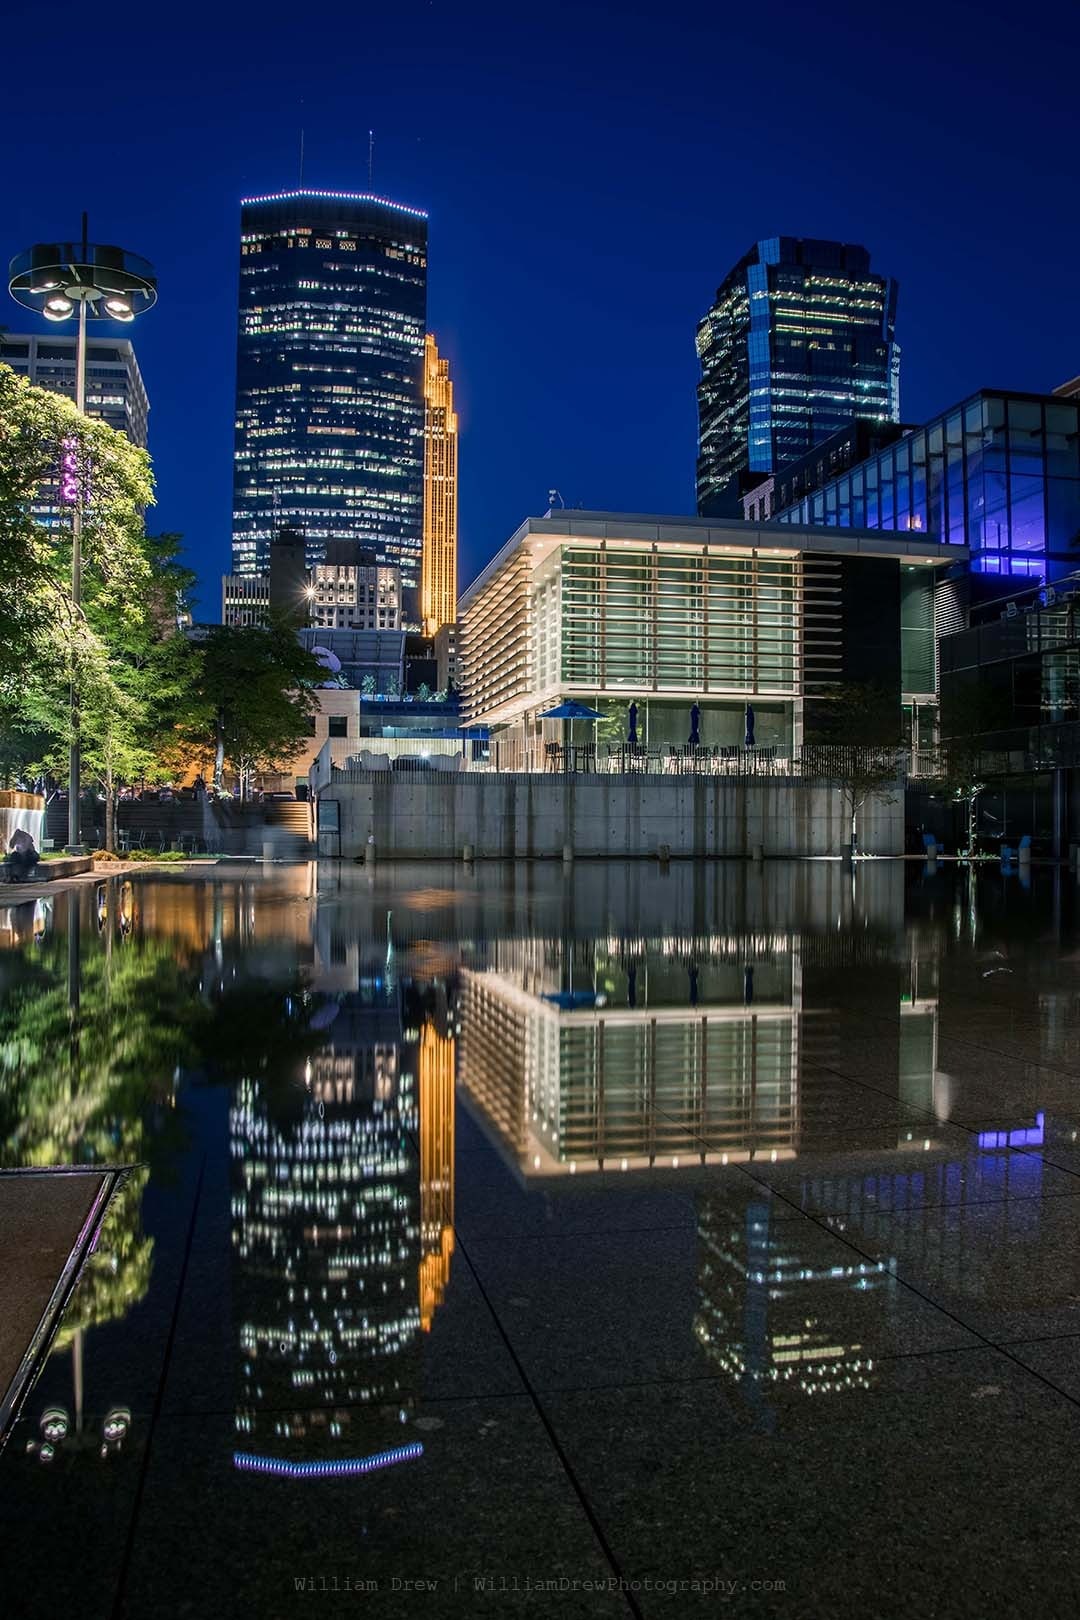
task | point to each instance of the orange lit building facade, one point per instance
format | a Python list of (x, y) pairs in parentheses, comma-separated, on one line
[(438, 568)]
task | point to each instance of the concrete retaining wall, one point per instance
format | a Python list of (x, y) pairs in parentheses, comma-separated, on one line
[(513, 816)]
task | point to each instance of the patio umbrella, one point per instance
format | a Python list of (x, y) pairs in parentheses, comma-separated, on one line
[(631, 734), (570, 1000), (749, 719), (570, 710), (695, 726)]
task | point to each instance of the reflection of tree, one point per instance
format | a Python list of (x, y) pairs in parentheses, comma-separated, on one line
[(117, 1274), (76, 1082), (87, 1078)]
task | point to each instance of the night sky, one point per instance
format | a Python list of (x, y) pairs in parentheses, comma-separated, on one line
[(591, 173)]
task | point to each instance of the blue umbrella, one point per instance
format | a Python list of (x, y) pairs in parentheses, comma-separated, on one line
[(631, 735), (749, 718), (570, 710), (695, 725), (570, 1000)]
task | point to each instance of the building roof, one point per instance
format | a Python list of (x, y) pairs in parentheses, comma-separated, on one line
[(782, 538), (335, 196)]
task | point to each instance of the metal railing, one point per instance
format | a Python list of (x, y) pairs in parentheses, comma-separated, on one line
[(814, 763)]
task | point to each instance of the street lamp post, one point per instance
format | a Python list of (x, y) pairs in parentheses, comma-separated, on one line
[(56, 279)]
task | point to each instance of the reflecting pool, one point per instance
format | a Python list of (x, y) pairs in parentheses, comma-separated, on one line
[(600, 1240)]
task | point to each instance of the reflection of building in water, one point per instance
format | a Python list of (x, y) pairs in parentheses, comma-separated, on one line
[(326, 1237), (436, 1067), (229, 915), (768, 1315), (629, 1053), (623, 1054)]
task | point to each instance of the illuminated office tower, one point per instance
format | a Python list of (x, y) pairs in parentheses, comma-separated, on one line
[(438, 587), (330, 379), (115, 393), (799, 340)]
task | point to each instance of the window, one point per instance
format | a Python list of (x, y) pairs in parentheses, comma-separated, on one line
[(338, 725)]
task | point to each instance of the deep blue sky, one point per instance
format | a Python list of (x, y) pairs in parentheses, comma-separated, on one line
[(591, 173)]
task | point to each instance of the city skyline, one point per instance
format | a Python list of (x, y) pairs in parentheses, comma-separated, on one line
[(568, 253)]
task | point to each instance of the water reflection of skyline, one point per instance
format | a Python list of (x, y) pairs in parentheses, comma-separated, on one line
[(588, 1031)]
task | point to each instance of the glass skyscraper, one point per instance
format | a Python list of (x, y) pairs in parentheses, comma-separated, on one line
[(799, 340), (330, 379)]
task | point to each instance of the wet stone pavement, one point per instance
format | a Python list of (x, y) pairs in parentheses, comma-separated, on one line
[(610, 1241)]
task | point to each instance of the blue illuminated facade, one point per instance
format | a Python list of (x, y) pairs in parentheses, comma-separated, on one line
[(999, 473), (330, 379), (799, 341)]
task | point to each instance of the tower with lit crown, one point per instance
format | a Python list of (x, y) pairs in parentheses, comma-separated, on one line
[(330, 404)]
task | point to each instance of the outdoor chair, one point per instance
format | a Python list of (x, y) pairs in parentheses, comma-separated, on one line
[(553, 756)]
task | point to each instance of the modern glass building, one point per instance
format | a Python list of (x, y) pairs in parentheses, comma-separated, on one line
[(999, 473), (800, 339), (614, 608), (330, 378)]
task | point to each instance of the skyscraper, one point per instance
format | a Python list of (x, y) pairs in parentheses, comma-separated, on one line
[(799, 340), (115, 393), (438, 589), (330, 378)]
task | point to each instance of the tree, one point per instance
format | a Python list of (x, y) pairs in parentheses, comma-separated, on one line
[(39, 433), (968, 711), (132, 684), (50, 457), (251, 695), (855, 744)]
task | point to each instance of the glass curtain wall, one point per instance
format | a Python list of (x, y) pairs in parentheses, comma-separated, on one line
[(1000, 473)]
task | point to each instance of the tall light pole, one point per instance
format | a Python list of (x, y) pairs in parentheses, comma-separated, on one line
[(56, 279)]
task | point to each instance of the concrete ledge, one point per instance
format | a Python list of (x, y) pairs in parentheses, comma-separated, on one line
[(64, 866)]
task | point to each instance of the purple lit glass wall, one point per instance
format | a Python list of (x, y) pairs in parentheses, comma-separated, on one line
[(1000, 474)]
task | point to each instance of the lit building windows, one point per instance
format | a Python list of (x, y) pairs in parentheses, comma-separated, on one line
[(799, 341), (330, 380)]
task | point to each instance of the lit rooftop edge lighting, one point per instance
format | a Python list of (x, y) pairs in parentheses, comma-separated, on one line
[(250, 1463), (337, 196)]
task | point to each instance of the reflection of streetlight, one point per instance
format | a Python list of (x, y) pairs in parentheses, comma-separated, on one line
[(53, 279), (58, 1434)]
